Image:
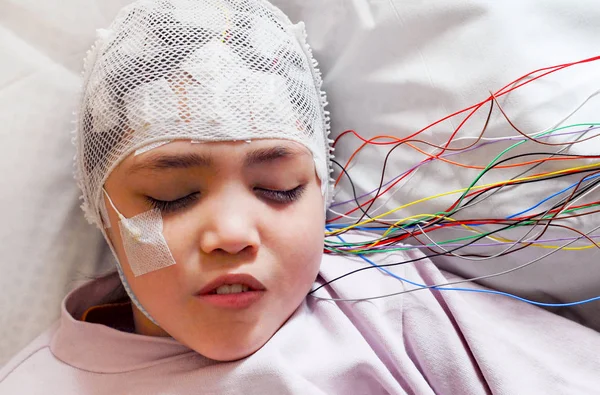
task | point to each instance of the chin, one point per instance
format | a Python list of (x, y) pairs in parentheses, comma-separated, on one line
[(227, 346), (229, 352)]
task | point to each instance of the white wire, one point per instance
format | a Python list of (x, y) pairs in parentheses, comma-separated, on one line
[(579, 198), (383, 205), (473, 279), (394, 192), (563, 120), (513, 244)]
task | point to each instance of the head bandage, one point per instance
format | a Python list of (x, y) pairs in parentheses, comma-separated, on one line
[(211, 70)]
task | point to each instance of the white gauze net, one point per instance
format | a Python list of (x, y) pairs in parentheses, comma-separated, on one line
[(210, 70), (144, 243)]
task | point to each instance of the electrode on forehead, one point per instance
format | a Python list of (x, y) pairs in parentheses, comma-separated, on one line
[(152, 103)]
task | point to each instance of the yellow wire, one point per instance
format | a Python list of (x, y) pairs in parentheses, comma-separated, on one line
[(502, 239), (228, 18), (328, 233), (539, 245)]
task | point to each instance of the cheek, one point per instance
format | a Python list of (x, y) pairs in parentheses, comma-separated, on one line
[(164, 279), (300, 242), (181, 237), (299, 264)]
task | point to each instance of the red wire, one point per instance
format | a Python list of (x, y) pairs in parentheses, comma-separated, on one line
[(474, 107), (405, 236)]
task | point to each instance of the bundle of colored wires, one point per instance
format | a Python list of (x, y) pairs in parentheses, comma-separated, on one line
[(554, 211)]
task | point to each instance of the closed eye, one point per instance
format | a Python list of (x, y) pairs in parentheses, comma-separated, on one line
[(169, 206), (276, 196), (282, 197)]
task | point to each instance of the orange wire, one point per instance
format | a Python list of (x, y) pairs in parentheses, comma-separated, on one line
[(508, 182), (531, 162), (474, 107), (435, 156)]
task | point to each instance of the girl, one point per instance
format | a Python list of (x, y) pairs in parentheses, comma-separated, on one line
[(203, 157)]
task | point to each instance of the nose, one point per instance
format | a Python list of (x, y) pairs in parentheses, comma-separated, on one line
[(230, 226)]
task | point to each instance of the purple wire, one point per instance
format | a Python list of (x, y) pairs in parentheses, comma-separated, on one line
[(482, 244), (461, 152)]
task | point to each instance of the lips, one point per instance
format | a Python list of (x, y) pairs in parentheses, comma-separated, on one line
[(244, 279)]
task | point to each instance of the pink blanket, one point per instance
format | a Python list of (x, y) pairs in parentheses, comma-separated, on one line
[(425, 342)]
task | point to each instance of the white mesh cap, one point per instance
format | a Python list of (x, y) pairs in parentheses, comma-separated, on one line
[(210, 70)]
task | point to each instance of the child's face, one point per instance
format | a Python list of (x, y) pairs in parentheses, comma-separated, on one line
[(229, 222)]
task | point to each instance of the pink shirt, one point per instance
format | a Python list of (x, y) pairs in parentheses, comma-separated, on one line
[(419, 343)]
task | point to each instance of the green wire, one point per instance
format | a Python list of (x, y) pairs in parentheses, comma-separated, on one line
[(462, 197), (465, 238), (496, 159)]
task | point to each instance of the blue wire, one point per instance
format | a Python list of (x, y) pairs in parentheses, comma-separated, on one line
[(487, 291), (587, 178), (328, 227), (550, 197), (373, 228)]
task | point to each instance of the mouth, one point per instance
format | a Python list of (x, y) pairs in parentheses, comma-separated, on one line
[(232, 292), (232, 284)]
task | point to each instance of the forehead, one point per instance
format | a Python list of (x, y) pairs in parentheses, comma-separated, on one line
[(186, 155)]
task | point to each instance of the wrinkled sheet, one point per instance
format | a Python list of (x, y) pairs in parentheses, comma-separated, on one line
[(425, 342)]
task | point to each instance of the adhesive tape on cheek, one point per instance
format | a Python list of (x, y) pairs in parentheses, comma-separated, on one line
[(144, 243)]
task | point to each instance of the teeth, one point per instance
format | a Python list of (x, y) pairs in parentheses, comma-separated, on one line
[(232, 289)]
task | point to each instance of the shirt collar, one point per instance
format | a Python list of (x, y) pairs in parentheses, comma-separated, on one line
[(99, 348)]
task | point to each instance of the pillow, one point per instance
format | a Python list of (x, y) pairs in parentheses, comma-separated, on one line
[(47, 246), (394, 67)]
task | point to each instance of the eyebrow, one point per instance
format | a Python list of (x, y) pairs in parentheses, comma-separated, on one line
[(158, 162), (265, 155)]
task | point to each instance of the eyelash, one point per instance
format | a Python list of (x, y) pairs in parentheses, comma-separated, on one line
[(280, 197), (283, 197), (169, 206)]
